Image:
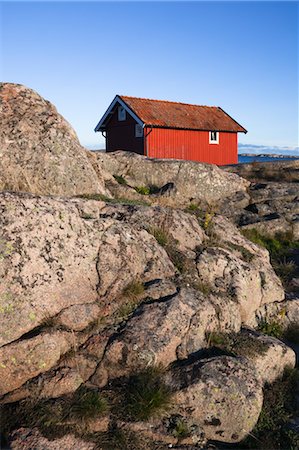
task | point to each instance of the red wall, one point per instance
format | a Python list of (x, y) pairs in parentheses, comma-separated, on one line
[(191, 145), (120, 135)]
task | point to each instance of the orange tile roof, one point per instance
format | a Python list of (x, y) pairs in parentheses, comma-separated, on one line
[(161, 113)]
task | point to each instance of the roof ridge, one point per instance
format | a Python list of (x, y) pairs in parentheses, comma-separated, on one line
[(166, 101)]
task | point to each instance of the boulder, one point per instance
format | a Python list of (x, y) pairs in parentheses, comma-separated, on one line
[(39, 150), (192, 182), (222, 396), (162, 331), (271, 363)]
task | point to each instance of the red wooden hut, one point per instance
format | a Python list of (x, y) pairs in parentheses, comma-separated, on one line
[(163, 129)]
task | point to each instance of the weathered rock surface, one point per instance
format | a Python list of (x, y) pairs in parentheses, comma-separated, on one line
[(238, 268), (52, 259), (162, 331), (39, 151), (26, 359), (192, 182), (29, 439), (222, 396), (268, 355)]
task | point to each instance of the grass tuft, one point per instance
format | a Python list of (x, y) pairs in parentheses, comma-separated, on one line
[(120, 179), (133, 290), (87, 404), (146, 395), (160, 234)]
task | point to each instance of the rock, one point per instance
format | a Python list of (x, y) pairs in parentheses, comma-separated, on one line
[(64, 382), (39, 151), (181, 227), (26, 359), (285, 313), (238, 268), (128, 255), (193, 182), (29, 439), (271, 363), (287, 171), (222, 396), (162, 331), (271, 227), (78, 317), (47, 249)]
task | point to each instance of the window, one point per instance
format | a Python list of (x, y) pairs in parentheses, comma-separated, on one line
[(121, 113), (138, 130), (214, 137)]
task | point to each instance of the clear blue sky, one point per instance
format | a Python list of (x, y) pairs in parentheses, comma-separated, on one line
[(242, 56)]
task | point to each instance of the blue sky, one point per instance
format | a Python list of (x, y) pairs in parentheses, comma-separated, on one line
[(242, 56)]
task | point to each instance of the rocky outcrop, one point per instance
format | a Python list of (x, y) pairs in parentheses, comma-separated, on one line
[(140, 275), (39, 151), (163, 331), (178, 183)]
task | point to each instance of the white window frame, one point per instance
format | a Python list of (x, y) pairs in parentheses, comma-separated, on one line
[(121, 113), (213, 141)]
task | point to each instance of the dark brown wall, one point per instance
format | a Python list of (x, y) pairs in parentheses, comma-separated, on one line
[(121, 135)]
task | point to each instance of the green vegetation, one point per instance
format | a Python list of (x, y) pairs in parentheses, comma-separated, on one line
[(133, 289), (238, 344), (280, 249), (55, 417), (146, 395), (271, 328), (177, 257), (143, 190), (132, 293), (147, 190), (117, 200), (122, 439), (181, 429), (120, 179), (205, 288), (193, 207), (87, 404), (160, 234), (272, 430)]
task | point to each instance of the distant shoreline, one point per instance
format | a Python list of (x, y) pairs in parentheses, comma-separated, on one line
[(268, 155)]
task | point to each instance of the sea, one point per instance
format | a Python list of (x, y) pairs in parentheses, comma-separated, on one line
[(263, 158)]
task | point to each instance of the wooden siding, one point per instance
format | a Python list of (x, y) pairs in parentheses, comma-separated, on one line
[(120, 135), (191, 145)]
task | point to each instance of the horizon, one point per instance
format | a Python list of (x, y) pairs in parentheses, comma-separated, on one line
[(249, 67)]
